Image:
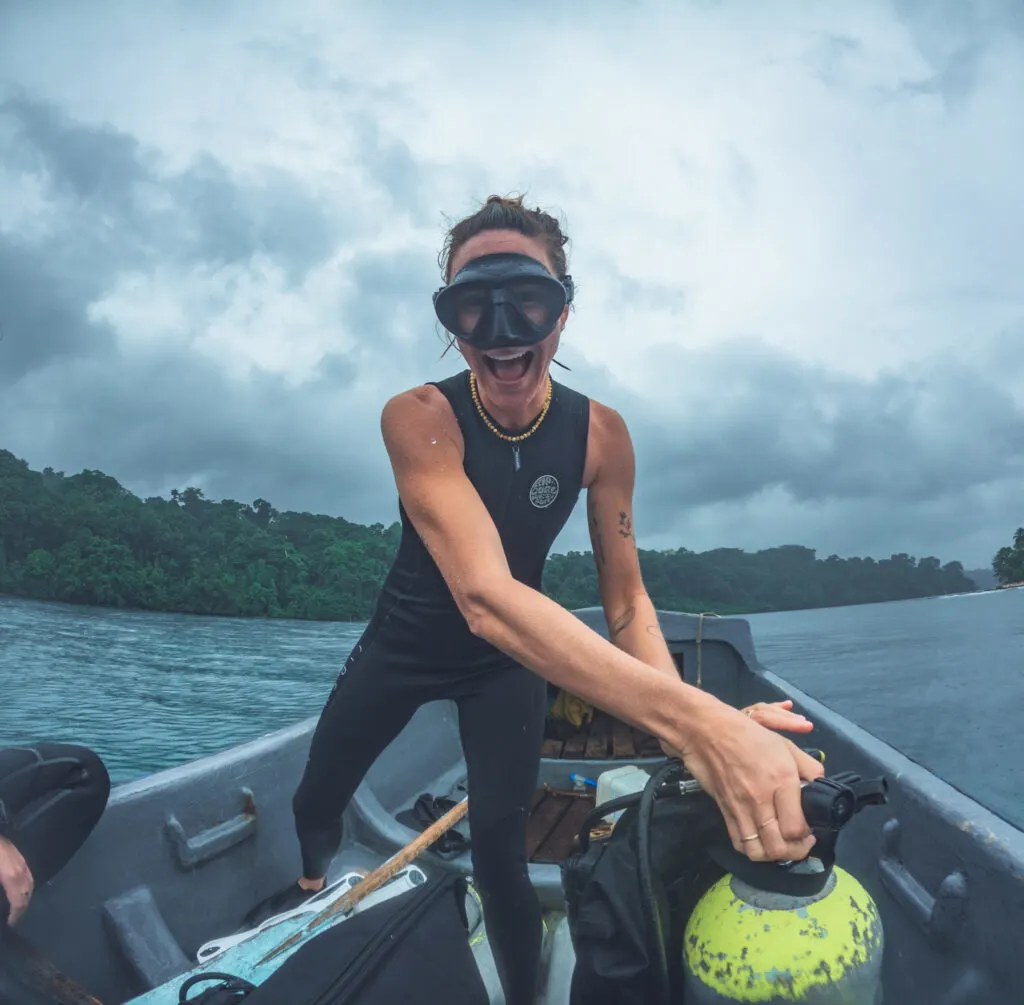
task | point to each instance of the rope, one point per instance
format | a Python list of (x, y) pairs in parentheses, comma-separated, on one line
[(700, 634)]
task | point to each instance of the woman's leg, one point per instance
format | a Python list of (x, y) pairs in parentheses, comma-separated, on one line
[(51, 797), (501, 721), (373, 699)]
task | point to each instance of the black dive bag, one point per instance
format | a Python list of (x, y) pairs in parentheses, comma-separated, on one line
[(412, 949), (629, 896), (624, 954)]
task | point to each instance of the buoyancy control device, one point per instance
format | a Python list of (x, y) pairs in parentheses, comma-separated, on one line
[(664, 911)]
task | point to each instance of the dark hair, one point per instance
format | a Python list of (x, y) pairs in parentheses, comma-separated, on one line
[(507, 213)]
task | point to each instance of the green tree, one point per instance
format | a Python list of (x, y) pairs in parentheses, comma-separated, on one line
[(1008, 564)]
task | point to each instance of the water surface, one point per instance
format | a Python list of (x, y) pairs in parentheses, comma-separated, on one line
[(940, 679)]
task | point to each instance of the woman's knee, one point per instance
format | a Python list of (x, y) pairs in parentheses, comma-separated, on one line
[(498, 855)]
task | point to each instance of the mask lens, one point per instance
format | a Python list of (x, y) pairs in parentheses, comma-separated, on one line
[(536, 301), (468, 306)]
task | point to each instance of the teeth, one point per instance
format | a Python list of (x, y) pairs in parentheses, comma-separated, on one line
[(505, 354)]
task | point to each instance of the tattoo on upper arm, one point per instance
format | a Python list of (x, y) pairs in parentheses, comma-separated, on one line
[(625, 526), (623, 621), (595, 530), (654, 630)]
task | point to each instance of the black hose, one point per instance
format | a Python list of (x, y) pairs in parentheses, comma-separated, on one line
[(655, 943), (604, 809)]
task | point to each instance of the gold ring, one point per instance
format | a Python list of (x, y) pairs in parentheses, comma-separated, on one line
[(753, 837)]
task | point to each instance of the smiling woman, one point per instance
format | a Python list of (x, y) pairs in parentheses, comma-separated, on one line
[(489, 464)]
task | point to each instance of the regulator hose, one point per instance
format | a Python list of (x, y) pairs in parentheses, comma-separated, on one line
[(655, 942)]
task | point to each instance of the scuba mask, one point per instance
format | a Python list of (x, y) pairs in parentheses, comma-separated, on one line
[(502, 301)]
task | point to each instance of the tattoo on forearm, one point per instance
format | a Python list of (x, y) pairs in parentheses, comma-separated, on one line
[(654, 630), (625, 525), (595, 530), (622, 622)]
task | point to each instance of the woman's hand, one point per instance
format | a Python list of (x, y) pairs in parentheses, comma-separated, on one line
[(16, 879), (776, 715), (754, 775)]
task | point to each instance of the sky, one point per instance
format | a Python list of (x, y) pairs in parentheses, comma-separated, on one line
[(797, 235)]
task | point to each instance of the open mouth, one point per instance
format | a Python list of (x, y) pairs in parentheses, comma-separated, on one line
[(509, 366)]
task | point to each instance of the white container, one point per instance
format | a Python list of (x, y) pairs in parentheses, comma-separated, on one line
[(620, 782)]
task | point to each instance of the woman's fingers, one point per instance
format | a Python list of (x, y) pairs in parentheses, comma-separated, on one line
[(754, 776), (16, 880), (777, 715)]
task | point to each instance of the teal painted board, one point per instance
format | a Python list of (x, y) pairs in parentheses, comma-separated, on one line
[(240, 954)]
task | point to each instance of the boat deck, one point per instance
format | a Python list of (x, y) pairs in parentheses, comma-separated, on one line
[(555, 819), (603, 738)]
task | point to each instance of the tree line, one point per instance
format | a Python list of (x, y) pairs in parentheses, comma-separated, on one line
[(86, 539), (1008, 565)]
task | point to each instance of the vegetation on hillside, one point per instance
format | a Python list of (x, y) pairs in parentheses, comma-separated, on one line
[(1008, 565), (85, 539)]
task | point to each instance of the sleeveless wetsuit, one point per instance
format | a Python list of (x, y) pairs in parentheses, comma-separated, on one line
[(418, 648)]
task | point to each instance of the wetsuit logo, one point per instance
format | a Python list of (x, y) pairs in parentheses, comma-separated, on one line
[(544, 491)]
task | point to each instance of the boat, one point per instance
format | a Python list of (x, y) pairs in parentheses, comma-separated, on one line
[(182, 854)]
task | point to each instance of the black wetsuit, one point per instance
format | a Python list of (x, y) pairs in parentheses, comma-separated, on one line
[(417, 648), (51, 797)]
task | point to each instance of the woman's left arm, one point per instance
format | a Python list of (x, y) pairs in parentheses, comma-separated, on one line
[(629, 611)]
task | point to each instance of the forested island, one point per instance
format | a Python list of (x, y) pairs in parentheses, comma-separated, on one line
[(1008, 565), (86, 539)]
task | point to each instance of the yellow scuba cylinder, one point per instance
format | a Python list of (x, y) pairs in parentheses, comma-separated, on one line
[(801, 932), (747, 945)]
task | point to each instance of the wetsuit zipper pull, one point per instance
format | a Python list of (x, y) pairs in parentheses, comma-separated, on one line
[(515, 453)]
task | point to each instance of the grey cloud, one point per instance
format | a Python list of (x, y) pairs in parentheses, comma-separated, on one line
[(906, 437), (232, 221), (161, 420), (828, 56), (954, 80), (389, 311), (101, 181), (954, 38), (390, 163), (41, 311), (97, 173), (86, 163)]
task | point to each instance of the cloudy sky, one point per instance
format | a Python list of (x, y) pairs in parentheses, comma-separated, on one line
[(797, 233)]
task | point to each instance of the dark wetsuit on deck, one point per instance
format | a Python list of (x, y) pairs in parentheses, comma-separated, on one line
[(51, 797), (418, 648)]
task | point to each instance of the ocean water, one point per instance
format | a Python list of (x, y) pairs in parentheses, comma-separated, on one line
[(940, 679)]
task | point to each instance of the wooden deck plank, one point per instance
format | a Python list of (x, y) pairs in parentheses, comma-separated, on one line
[(561, 842), (622, 740), (576, 743), (544, 819), (551, 748), (598, 740)]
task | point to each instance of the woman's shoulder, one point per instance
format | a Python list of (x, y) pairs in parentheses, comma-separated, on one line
[(420, 408)]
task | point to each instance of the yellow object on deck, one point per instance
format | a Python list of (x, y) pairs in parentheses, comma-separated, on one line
[(572, 709)]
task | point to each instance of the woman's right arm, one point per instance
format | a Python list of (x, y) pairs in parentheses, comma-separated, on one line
[(753, 774)]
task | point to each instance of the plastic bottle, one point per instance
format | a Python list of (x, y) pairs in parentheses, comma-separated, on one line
[(620, 782)]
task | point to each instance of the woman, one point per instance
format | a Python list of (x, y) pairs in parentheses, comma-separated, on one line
[(488, 465)]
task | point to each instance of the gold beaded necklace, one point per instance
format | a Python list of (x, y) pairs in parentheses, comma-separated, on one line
[(514, 440)]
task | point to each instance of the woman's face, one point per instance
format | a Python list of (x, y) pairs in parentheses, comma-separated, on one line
[(506, 385)]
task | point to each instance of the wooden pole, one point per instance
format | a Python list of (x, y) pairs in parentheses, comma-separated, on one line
[(376, 879), (42, 975)]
